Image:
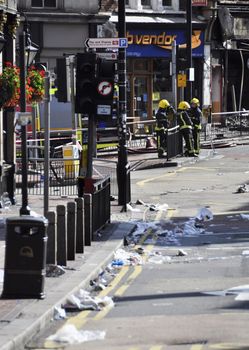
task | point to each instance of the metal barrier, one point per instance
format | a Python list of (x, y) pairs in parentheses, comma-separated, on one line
[(101, 208), (174, 142)]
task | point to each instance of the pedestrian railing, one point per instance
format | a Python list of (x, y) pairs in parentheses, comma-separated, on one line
[(63, 176)]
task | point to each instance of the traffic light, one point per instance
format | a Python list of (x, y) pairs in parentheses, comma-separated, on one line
[(105, 86), (85, 83), (181, 58), (62, 80)]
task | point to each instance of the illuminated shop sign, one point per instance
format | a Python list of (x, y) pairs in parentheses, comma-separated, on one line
[(159, 43)]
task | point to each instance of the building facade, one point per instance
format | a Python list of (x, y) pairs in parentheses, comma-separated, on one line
[(9, 21), (151, 28), (228, 37), (60, 27)]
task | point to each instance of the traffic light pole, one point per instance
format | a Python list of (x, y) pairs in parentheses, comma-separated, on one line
[(189, 47), (123, 174)]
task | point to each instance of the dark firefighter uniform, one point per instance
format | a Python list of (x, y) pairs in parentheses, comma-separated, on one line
[(186, 125), (163, 116), (196, 116)]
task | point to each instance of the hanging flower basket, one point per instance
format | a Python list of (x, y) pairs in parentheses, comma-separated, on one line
[(35, 85), (10, 86)]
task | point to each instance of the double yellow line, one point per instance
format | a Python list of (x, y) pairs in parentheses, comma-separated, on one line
[(82, 317)]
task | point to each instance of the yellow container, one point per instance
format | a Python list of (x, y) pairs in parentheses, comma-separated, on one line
[(71, 161)]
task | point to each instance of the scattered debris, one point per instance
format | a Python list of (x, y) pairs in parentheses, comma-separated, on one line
[(130, 208), (244, 216), (59, 313), (241, 292), (5, 201), (140, 250), (54, 270), (245, 252), (158, 258), (84, 301), (204, 214), (181, 252), (122, 257), (243, 189), (69, 334)]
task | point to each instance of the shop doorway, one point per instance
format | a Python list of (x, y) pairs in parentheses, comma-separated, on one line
[(139, 96)]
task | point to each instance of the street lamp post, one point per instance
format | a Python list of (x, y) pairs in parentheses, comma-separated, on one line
[(26, 56), (25, 210)]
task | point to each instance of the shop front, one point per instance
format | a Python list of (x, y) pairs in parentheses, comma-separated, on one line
[(149, 56)]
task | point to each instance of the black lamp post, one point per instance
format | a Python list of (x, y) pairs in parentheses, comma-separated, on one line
[(26, 55)]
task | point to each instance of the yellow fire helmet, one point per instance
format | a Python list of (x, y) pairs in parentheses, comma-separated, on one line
[(163, 104), (183, 105), (195, 101)]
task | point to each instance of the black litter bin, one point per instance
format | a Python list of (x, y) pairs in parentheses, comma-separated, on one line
[(25, 257)]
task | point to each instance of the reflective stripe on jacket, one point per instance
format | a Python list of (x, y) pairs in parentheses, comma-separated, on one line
[(184, 121)]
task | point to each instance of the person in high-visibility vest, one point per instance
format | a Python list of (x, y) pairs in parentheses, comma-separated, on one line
[(164, 115), (186, 126), (196, 117)]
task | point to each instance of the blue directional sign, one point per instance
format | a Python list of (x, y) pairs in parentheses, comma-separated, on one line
[(123, 42)]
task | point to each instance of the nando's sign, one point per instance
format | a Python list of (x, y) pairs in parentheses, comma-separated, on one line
[(159, 43)]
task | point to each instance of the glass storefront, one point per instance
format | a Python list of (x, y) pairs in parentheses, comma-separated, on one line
[(149, 81)]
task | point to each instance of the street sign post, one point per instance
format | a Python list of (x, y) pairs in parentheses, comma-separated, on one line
[(98, 43)]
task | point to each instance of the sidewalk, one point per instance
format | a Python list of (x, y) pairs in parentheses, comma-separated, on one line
[(20, 319)]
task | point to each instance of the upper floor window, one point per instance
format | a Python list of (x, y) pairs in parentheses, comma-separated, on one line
[(43, 3), (167, 3), (145, 3)]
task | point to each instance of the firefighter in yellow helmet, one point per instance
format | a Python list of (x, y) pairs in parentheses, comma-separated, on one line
[(186, 125), (164, 115), (196, 117)]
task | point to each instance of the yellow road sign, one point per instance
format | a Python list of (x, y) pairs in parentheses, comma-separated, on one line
[(181, 80)]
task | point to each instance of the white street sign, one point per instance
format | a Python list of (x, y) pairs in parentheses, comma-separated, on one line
[(94, 43), (103, 109), (108, 55)]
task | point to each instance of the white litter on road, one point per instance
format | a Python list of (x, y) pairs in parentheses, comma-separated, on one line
[(241, 292), (84, 301), (127, 258), (204, 214), (69, 334), (244, 216)]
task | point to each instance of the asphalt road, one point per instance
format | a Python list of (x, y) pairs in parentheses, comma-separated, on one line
[(182, 296)]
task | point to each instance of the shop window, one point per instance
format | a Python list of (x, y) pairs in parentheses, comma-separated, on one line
[(162, 81), (43, 3), (141, 65)]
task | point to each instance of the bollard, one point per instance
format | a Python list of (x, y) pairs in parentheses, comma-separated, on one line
[(61, 236), (88, 219), (80, 226), (71, 235), (51, 246)]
